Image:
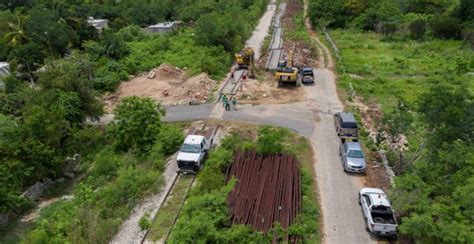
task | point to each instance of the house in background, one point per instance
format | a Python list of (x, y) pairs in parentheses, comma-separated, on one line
[(164, 27), (4, 71), (98, 24)]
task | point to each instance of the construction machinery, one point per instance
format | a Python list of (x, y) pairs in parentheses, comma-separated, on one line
[(245, 59), (286, 72)]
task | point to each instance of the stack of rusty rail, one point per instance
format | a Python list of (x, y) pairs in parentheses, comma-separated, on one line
[(268, 190)]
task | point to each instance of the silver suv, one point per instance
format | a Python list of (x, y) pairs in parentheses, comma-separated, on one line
[(353, 159)]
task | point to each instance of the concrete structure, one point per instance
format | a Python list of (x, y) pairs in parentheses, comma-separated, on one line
[(4, 71), (98, 24), (164, 27)]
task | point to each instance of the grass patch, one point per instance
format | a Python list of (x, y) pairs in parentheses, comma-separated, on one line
[(399, 68), (166, 215)]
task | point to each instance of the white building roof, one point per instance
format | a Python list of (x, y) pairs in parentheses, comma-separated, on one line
[(163, 25), (98, 23), (4, 68)]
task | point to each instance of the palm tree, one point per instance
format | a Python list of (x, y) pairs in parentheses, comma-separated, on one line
[(17, 35)]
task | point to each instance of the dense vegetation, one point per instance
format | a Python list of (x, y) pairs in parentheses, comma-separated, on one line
[(60, 66), (114, 180), (205, 216), (425, 86)]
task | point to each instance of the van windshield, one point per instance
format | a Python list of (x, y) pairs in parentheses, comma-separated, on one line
[(355, 154), (190, 148)]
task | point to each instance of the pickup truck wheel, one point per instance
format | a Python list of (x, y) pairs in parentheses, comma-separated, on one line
[(360, 202), (367, 225)]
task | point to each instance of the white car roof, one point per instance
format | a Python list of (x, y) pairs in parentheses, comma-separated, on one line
[(377, 196), (193, 139)]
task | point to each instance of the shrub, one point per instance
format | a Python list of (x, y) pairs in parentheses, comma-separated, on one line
[(106, 164), (446, 27), (417, 29), (171, 138), (270, 140), (144, 222), (137, 124)]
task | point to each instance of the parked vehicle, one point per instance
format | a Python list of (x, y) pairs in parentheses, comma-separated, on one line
[(378, 213), (307, 75), (352, 157), (192, 153), (346, 126)]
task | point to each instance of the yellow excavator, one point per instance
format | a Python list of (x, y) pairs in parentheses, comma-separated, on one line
[(245, 59), (286, 73)]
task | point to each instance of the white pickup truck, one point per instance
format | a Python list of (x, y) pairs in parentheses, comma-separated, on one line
[(194, 149), (378, 213)]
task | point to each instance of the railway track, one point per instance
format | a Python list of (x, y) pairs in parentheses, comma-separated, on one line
[(179, 175), (229, 87), (275, 48), (176, 179)]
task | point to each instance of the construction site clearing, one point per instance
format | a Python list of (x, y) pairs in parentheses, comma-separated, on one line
[(166, 84), (265, 91)]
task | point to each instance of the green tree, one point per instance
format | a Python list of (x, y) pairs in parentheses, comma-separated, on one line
[(270, 140), (397, 124), (44, 27), (417, 29), (446, 27), (114, 46), (218, 29), (73, 77), (16, 34), (448, 112), (137, 124), (26, 59)]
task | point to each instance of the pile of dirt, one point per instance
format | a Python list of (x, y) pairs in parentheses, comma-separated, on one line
[(267, 92), (167, 85), (304, 55)]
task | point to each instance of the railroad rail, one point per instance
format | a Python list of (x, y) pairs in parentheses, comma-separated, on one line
[(275, 48), (176, 178), (229, 87)]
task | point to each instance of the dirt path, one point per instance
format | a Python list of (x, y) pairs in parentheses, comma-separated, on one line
[(261, 30), (130, 231), (324, 52)]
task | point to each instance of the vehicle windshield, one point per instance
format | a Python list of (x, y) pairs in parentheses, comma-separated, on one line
[(355, 154), (190, 148)]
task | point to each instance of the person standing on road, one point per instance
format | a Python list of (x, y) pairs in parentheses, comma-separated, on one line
[(227, 104), (224, 100), (234, 103), (232, 77), (242, 81)]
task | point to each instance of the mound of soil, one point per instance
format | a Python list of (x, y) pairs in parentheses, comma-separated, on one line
[(167, 85)]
